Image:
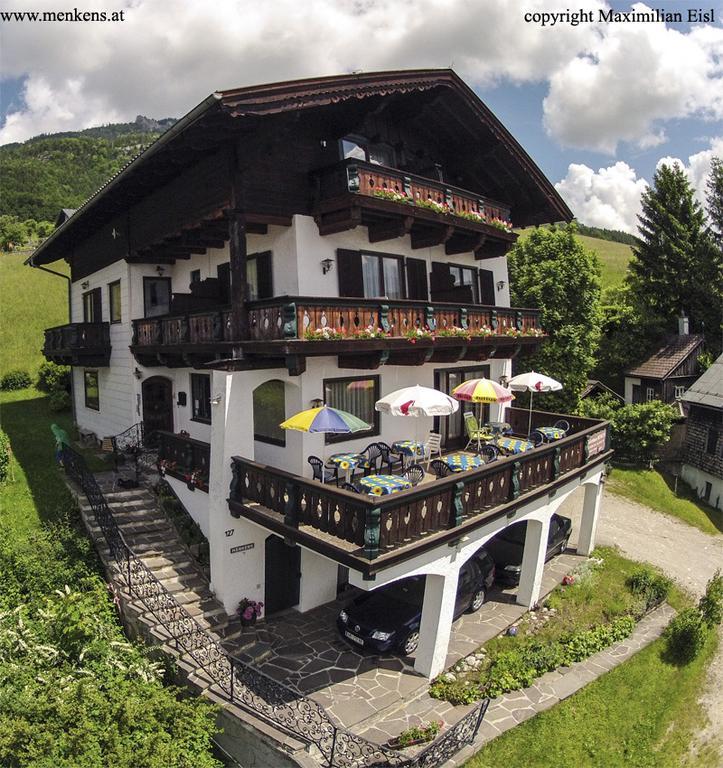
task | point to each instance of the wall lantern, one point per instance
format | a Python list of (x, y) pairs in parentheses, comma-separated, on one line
[(317, 402), (137, 373), (216, 399), (326, 265), (85, 284), (160, 269), (500, 285), (504, 381)]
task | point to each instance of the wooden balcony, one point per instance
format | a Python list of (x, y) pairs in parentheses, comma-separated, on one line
[(392, 203), (78, 344), (370, 533), (184, 458), (363, 333)]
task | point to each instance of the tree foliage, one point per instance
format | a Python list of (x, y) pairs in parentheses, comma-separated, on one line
[(552, 270), (714, 199)]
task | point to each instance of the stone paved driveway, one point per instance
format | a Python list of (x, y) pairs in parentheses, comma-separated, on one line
[(361, 689)]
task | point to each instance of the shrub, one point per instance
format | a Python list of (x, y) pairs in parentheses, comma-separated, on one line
[(650, 586), (711, 604), (59, 401), (5, 457), (15, 380), (53, 378), (639, 430), (686, 635)]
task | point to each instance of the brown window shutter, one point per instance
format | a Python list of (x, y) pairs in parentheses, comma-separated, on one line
[(349, 269), (417, 279), (487, 287), (224, 282), (264, 274)]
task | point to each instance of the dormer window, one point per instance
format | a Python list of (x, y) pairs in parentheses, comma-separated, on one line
[(358, 148)]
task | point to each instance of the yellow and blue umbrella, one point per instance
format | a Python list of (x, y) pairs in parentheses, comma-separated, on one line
[(325, 419)]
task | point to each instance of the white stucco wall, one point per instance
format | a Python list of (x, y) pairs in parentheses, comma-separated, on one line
[(697, 478), (195, 502)]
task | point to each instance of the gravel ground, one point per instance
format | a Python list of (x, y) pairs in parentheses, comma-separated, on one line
[(684, 553)]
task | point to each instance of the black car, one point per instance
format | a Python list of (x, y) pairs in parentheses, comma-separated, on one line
[(388, 618), (508, 545)]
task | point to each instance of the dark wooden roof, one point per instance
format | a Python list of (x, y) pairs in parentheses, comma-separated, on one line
[(666, 359), (595, 385), (450, 106), (708, 389)]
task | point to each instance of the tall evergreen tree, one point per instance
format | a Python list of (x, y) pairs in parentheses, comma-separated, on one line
[(673, 264), (714, 199)]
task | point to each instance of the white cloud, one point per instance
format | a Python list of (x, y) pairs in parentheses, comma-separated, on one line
[(698, 166), (608, 197)]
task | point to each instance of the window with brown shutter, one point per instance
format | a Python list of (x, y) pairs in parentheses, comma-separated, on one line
[(417, 279), (487, 287), (349, 269)]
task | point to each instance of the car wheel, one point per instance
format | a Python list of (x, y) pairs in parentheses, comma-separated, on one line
[(410, 643), (477, 600)]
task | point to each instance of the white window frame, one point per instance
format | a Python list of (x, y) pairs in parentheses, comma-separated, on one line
[(649, 394)]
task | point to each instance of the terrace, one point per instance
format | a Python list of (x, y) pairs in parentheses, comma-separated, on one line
[(371, 533), (78, 344)]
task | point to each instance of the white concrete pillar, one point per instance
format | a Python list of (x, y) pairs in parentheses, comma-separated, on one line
[(440, 593), (318, 580), (533, 561), (590, 515), (236, 546)]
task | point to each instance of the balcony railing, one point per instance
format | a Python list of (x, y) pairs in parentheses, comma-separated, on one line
[(366, 527), (78, 344), (380, 182), (195, 329), (184, 458)]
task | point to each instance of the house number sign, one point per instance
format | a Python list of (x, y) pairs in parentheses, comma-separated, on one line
[(241, 548)]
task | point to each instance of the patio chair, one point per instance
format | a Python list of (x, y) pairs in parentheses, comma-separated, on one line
[(432, 445), (414, 473), (474, 433), (489, 453), (537, 438), (563, 425), (373, 454), (440, 468), (392, 460), (321, 473), (349, 487)]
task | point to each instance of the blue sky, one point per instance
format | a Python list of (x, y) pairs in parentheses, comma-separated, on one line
[(597, 105)]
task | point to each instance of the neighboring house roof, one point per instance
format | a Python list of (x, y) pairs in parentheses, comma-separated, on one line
[(64, 215), (594, 385), (666, 359), (221, 116), (708, 389)]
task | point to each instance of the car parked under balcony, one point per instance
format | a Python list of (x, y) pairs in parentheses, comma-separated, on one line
[(508, 546), (388, 618)]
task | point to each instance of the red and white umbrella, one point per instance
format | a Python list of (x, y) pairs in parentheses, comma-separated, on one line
[(417, 401), (533, 382)]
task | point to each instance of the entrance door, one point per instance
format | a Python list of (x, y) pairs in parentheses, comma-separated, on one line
[(283, 575), (452, 427), (157, 404)]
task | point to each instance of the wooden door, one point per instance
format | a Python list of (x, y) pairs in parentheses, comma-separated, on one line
[(157, 404), (283, 575)]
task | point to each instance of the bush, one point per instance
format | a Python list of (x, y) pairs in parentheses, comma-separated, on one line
[(651, 586), (711, 604), (4, 457), (53, 378), (686, 635), (638, 431), (59, 401), (15, 380)]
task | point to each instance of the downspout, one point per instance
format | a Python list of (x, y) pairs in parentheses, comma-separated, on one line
[(30, 263)]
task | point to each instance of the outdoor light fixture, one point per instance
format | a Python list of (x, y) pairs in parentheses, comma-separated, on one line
[(317, 402), (500, 285), (326, 265), (216, 399), (85, 284), (137, 373), (504, 381), (160, 269)]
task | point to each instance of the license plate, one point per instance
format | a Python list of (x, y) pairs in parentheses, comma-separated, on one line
[(354, 638)]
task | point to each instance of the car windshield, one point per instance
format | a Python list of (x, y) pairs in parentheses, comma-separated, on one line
[(410, 591), (515, 533)]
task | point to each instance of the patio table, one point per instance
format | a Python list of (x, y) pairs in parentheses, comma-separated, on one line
[(408, 449), (460, 462), (348, 462), (381, 485), (551, 433), (514, 444)]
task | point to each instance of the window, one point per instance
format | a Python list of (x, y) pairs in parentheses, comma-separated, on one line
[(649, 394), (358, 148), (453, 282), (712, 441), (678, 391), (269, 412), (259, 278), (114, 301), (92, 306), (465, 277), (357, 396), (92, 391), (195, 276), (156, 296), (370, 275), (201, 397)]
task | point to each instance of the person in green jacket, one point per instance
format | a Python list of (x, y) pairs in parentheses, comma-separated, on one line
[(61, 441)]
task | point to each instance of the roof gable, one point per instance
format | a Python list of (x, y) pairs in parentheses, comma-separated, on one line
[(663, 362), (708, 389)]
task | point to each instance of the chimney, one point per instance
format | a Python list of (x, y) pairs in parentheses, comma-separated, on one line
[(682, 325)]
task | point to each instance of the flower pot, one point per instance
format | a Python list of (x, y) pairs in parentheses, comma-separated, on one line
[(191, 486), (248, 622)]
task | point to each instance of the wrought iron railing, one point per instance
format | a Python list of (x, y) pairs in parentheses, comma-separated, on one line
[(243, 685), (184, 458)]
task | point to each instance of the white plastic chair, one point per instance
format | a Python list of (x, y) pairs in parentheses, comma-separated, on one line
[(432, 445)]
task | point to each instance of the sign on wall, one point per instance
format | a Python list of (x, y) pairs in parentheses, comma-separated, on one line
[(596, 443), (241, 548)]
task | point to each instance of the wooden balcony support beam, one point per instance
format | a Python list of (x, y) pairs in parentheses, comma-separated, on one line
[(427, 238), (390, 230), (462, 243)]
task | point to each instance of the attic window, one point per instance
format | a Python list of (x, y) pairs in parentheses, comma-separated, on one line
[(358, 148)]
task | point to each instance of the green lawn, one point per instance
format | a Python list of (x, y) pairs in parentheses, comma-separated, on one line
[(655, 490), (643, 714), (32, 301)]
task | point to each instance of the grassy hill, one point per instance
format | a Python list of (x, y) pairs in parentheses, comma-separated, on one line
[(614, 258), (32, 301)]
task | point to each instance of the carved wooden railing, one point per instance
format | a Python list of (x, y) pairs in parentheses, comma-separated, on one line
[(197, 328), (76, 343), (378, 524), (184, 458), (377, 181)]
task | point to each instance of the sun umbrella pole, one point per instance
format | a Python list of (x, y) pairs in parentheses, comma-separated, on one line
[(529, 420)]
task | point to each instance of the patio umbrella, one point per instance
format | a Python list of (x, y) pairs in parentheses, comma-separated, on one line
[(325, 419), (533, 382), (482, 391)]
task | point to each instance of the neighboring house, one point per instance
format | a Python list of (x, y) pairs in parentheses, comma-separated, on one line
[(702, 458), (668, 372), (326, 240), (596, 388), (63, 216)]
